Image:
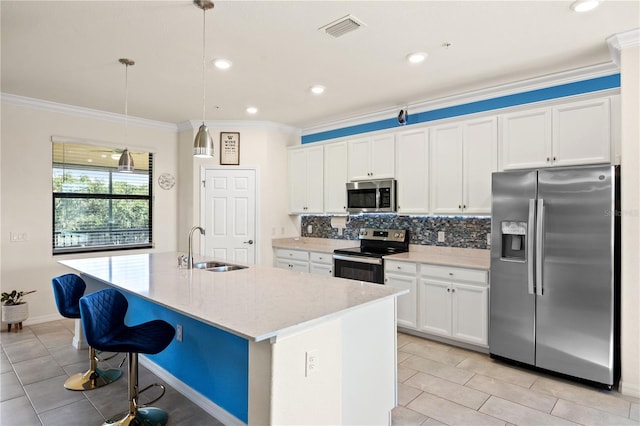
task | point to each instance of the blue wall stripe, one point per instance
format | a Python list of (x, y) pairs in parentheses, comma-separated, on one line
[(538, 95)]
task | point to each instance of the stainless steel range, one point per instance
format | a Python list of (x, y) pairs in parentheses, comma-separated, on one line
[(365, 263)]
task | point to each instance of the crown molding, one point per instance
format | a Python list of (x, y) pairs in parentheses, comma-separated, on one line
[(23, 101), (235, 124), (540, 82), (625, 40)]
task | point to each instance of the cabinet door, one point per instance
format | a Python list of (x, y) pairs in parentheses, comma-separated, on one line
[(335, 177), (383, 152), (581, 133), (315, 186), (526, 139), (469, 312), (297, 180), (412, 160), (480, 159), (407, 303), (446, 169), (435, 307), (321, 269), (306, 180), (359, 159)]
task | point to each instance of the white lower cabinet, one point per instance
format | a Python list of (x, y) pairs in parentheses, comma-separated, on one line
[(453, 302), (402, 275), (321, 263), (294, 260)]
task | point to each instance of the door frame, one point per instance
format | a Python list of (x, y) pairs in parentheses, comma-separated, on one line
[(203, 191)]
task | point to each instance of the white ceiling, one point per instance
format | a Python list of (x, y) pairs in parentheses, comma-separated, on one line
[(68, 51)]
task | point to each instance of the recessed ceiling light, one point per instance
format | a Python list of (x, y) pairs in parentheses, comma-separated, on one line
[(584, 5), (317, 89), (252, 110), (417, 57), (222, 64)]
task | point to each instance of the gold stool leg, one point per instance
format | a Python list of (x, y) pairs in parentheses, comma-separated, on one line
[(94, 377), (147, 416)]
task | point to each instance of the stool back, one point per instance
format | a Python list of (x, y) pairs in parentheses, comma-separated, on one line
[(103, 315), (67, 290)]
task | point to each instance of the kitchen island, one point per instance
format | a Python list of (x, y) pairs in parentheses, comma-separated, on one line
[(263, 345)]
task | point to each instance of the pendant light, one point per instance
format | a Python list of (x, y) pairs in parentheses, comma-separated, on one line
[(203, 144), (125, 164)]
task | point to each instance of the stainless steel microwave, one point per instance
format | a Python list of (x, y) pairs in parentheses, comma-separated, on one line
[(371, 196)]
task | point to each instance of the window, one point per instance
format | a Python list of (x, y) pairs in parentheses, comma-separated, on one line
[(95, 207)]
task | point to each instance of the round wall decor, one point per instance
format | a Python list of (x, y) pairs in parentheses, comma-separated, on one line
[(166, 181)]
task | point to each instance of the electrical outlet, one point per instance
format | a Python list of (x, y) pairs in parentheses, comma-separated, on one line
[(179, 332), (311, 358), (18, 237), (488, 239), (441, 236), (310, 229)]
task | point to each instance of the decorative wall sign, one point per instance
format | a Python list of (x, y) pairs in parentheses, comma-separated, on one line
[(230, 148)]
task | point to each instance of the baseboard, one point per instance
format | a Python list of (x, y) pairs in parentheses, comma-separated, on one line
[(39, 319), (194, 396), (629, 389)]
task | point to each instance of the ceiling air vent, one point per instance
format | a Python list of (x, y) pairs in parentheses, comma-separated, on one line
[(342, 26)]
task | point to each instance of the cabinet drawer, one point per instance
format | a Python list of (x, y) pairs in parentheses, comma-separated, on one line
[(393, 266), (457, 274), (292, 254), (325, 258)]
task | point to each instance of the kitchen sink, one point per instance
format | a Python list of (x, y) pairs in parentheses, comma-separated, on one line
[(217, 266)]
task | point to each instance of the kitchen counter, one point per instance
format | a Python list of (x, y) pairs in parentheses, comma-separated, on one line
[(446, 256), (256, 303), (321, 245)]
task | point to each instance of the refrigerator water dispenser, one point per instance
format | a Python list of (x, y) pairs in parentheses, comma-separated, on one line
[(514, 236)]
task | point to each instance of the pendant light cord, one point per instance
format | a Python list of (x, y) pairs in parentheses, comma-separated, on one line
[(126, 102), (204, 103)]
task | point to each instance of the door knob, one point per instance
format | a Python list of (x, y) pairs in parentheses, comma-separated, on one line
[(248, 242)]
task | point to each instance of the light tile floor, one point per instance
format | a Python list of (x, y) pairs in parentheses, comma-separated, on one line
[(442, 384), (438, 384)]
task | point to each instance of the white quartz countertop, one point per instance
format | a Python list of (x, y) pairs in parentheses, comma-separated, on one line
[(256, 303), (446, 256), (321, 245)]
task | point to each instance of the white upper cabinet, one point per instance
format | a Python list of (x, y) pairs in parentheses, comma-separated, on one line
[(372, 158), (306, 180), (582, 133), (412, 171), (446, 167), (570, 134), (335, 177), (480, 160), (463, 156)]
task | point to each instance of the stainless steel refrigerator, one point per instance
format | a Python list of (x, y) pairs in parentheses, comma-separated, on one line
[(554, 293)]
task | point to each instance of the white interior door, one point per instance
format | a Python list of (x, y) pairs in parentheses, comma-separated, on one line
[(230, 214)]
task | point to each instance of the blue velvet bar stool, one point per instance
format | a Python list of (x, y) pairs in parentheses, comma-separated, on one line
[(103, 314), (67, 290)]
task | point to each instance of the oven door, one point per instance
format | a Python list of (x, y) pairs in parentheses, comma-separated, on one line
[(359, 268)]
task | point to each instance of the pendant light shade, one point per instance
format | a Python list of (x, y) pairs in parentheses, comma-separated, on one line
[(203, 144), (125, 164)]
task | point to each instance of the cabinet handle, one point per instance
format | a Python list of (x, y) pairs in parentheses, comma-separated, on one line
[(464, 206), (399, 267), (453, 290), (459, 207), (547, 159), (450, 274), (554, 158), (448, 290)]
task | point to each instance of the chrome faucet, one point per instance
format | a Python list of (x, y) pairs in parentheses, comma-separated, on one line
[(190, 255)]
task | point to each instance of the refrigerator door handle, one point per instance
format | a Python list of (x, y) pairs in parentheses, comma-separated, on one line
[(539, 245), (531, 223)]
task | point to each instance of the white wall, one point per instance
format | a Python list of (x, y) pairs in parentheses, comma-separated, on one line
[(630, 185), (26, 185), (263, 147)]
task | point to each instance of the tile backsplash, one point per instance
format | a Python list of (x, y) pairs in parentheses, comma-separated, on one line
[(459, 231)]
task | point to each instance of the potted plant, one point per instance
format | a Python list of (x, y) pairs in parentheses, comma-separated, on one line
[(14, 309)]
